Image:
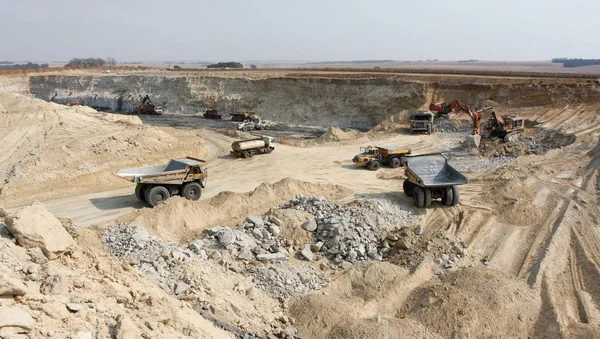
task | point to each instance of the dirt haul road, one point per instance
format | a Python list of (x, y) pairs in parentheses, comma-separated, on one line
[(325, 164)]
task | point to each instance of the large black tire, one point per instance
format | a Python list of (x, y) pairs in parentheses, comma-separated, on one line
[(139, 192), (245, 155), (192, 191), (455, 196), (427, 191), (157, 195), (419, 196), (408, 188), (251, 154), (395, 163), (374, 165), (447, 196)]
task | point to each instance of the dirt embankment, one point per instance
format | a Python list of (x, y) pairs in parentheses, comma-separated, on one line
[(321, 99), (49, 150), (183, 220)]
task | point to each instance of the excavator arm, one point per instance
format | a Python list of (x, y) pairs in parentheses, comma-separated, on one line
[(473, 114)]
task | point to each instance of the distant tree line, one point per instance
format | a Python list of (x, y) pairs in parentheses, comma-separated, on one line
[(576, 62), (349, 62), (91, 62), (230, 64), (470, 60), (28, 65), (6, 62)]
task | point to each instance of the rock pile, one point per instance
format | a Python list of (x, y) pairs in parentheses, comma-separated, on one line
[(283, 281), (348, 233)]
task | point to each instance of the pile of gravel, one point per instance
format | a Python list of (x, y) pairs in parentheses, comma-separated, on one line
[(348, 233), (282, 281)]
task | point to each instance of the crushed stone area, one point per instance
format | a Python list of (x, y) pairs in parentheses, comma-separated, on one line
[(346, 234)]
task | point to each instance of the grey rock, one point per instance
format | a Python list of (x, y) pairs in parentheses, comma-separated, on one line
[(226, 238), (256, 221), (346, 265), (276, 221), (306, 253), (352, 255), (317, 246), (245, 254), (196, 245), (181, 288), (141, 236), (271, 257), (418, 231), (275, 231), (309, 225)]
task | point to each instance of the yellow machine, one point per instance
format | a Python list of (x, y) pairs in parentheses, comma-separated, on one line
[(375, 156)]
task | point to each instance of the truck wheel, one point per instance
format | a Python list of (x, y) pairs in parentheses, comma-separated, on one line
[(245, 155), (139, 192), (250, 155), (395, 163), (192, 191), (157, 195), (419, 196), (408, 189), (374, 166), (447, 196), (455, 196), (427, 191)]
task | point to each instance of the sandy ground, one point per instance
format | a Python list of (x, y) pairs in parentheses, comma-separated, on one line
[(531, 224)]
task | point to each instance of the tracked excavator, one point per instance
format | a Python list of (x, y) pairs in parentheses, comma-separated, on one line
[(458, 106)]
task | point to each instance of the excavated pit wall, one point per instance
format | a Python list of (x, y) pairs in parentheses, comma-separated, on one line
[(346, 102)]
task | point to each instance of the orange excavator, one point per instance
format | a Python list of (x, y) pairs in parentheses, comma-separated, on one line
[(457, 106)]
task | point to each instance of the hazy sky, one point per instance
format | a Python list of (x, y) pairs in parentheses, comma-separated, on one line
[(237, 30)]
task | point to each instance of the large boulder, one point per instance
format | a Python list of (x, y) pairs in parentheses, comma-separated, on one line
[(14, 320), (34, 226)]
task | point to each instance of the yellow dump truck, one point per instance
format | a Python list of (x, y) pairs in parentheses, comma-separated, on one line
[(155, 184), (373, 157)]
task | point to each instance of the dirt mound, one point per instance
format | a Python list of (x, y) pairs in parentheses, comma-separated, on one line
[(291, 226), (85, 293), (370, 293), (49, 150), (474, 302), (332, 136), (182, 220)]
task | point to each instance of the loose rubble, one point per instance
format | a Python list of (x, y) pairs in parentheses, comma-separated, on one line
[(346, 234)]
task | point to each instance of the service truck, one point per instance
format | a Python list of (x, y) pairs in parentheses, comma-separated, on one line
[(251, 147), (155, 184)]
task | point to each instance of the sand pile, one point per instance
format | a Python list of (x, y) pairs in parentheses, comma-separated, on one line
[(474, 302), (332, 136), (183, 220), (82, 292), (386, 298), (49, 150)]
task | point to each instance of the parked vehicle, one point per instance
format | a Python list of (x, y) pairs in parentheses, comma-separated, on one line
[(506, 127), (429, 176), (373, 157), (212, 114), (155, 184), (249, 148), (421, 122)]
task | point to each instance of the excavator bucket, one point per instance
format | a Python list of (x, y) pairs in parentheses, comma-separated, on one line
[(473, 140)]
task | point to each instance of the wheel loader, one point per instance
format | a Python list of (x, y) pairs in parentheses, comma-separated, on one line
[(373, 157)]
